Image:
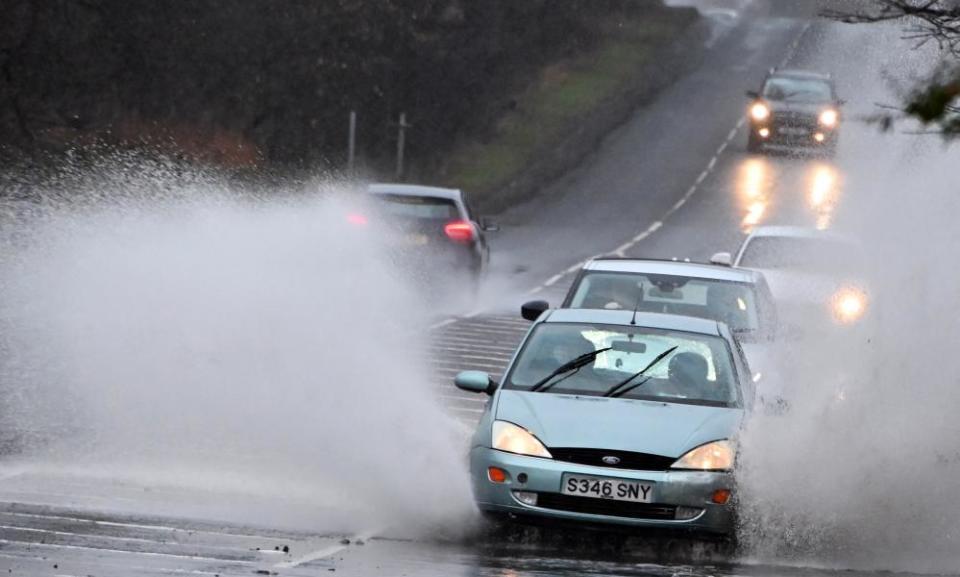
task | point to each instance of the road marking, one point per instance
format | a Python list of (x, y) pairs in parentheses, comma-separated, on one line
[(326, 551), (126, 569), (713, 163), (124, 551), (722, 148), (442, 324), (553, 280), (188, 530)]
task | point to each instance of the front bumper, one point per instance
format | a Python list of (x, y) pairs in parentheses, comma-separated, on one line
[(793, 135), (674, 491)]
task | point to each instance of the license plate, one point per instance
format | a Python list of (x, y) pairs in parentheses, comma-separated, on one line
[(417, 239), (606, 488), (794, 131)]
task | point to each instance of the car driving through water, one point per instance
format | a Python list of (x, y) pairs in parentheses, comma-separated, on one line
[(614, 418), (818, 278), (794, 108), (432, 231)]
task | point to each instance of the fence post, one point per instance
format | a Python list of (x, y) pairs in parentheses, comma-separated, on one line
[(352, 142), (401, 142)]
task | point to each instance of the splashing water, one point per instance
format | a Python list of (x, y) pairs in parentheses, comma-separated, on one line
[(161, 328)]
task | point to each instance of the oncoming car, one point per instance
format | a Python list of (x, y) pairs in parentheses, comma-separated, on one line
[(613, 418), (739, 298), (794, 108), (817, 277)]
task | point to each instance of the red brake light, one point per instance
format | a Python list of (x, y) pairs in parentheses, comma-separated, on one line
[(357, 219), (459, 231)]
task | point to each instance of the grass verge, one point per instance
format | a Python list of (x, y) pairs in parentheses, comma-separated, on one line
[(563, 96)]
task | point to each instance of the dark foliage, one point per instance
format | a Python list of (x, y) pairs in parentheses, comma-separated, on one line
[(271, 81)]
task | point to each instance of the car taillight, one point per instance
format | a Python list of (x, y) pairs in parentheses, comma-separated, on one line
[(357, 219), (459, 231)]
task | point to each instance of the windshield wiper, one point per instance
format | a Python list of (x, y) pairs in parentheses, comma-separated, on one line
[(574, 365), (614, 390)]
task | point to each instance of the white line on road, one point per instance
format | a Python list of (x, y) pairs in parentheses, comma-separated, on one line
[(327, 551), (553, 280), (85, 521), (124, 551)]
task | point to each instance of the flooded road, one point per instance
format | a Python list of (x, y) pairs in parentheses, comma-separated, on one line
[(375, 486)]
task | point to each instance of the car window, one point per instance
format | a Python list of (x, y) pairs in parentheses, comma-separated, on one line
[(699, 371), (826, 255), (797, 90), (735, 304), (417, 207)]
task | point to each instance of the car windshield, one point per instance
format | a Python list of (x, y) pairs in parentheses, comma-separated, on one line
[(729, 302), (826, 255), (797, 90), (698, 371), (417, 207)]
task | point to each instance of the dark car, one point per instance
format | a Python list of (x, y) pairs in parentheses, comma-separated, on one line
[(434, 231), (794, 109)]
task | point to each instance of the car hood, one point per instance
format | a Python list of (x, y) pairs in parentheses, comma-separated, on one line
[(571, 421)]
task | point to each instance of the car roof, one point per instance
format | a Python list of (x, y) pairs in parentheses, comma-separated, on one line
[(675, 268), (624, 318), (415, 190), (798, 232), (796, 73)]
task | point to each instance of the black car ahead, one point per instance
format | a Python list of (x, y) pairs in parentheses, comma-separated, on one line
[(434, 231), (795, 109)]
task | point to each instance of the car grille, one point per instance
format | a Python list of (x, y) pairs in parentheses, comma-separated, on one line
[(628, 460), (794, 119), (607, 507)]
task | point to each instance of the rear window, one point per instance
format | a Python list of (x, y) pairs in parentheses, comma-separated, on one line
[(419, 207)]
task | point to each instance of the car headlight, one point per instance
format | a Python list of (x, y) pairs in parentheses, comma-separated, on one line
[(513, 439), (849, 305), (829, 118), (715, 456), (759, 111)]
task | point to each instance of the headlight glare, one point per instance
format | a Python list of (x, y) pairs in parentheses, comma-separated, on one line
[(759, 111), (513, 439), (715, 456), (849, 305), (829, 117)]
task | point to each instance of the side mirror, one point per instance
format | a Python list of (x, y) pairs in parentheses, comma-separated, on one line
[(722, 258), (841, 102), (475, 382), (753, 94), (532, 310), (488, 225)]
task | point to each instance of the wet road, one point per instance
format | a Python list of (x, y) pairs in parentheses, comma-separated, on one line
[(674, 182)]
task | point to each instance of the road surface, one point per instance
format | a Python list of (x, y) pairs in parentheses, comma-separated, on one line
[(674, 181)]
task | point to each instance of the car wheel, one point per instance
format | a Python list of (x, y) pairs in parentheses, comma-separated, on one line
[(754, 146)]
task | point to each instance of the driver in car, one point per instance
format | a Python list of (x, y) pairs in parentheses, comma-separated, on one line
[(688, 373)]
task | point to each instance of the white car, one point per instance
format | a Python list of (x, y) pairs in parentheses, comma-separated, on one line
[(817, 277)]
